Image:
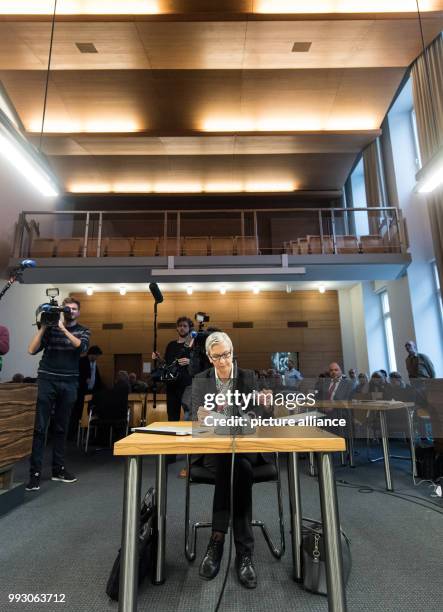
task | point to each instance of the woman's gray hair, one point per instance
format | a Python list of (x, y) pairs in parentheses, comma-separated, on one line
[(217, 338)]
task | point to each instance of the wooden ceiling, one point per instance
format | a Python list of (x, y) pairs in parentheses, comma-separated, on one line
[(207, 93)]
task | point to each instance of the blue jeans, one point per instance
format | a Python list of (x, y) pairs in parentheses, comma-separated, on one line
[(57, 396)]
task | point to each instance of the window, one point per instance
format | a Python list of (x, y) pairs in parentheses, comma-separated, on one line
[(437, 291), (389, 336), (416, 141)]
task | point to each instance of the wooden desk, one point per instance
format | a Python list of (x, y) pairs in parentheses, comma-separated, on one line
[(266, 439), (381, 407)]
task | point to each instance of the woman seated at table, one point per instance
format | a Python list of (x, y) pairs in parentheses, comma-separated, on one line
[(224, 376)]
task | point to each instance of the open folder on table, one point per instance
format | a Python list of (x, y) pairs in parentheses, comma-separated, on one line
[(169, 430)]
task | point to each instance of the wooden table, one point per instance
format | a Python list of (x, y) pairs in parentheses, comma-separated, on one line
[(381, 407), (292, 440)]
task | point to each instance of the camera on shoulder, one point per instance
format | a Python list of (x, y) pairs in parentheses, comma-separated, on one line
[(48, 314)]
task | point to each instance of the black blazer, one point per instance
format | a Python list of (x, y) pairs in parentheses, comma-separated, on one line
[(344, 391), (245, 381), (84, 372)]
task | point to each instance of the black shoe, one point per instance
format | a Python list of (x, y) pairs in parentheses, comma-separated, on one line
[(34, 482), (210, 565), (245, 571), (63, 476)]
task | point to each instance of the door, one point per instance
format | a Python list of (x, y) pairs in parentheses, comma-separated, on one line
[(130, 362)]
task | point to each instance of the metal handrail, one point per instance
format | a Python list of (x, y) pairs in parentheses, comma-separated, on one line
[(389, 215), (212, 210)]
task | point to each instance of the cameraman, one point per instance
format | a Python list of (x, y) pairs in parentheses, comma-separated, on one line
[(57, 379), (178, 351)]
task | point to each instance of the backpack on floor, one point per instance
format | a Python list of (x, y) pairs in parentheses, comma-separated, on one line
[(147, 546)]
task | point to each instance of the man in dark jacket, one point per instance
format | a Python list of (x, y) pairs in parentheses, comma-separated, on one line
[(221, 379), (418, 364), (89, 382)]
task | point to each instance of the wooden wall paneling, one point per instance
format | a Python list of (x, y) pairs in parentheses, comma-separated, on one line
[(318, 344)]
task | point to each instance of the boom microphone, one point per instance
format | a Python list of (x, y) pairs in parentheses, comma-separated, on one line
[(156, 293), (27, 263)]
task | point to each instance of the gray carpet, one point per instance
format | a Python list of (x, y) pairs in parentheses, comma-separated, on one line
[(65, 537)]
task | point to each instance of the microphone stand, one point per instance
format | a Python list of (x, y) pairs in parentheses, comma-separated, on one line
[(154, 384), (15, 276)]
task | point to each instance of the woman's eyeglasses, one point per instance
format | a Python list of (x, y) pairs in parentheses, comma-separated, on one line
[(222, 356)]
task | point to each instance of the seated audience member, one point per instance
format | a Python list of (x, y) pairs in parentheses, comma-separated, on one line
[(336, 386), (137, 386), (377, 384), (352, 376), (224, 376), (362, 386), (18, 378), (112, 404), (398, 389)]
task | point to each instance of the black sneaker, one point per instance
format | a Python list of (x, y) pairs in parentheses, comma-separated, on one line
[(34, 482), (63, 476)]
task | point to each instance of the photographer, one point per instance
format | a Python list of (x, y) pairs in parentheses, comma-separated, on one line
[(178, 352), (58, 372)]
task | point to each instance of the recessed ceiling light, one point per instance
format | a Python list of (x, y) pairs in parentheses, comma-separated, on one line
[(88, 47), (301, 47)]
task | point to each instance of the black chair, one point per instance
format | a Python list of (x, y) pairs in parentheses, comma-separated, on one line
[(110, 409), (198, 474)]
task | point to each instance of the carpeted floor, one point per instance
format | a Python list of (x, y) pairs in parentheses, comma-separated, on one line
[(65, 537)]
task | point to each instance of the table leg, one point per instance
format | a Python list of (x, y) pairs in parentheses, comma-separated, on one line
[(161, 489), (331, 528), (410, 415), (351, 438), (131, 525), (385, 442), (295, 513), (312, 464)]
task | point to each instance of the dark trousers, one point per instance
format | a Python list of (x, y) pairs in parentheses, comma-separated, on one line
[(58, 396), (243, 481), (174, 394)]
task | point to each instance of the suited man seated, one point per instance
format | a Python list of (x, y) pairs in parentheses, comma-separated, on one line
[(336, 387), (222, 377)]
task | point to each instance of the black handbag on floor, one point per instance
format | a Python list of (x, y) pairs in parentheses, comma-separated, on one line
[(147, 546), (429, 463), (313, 557)]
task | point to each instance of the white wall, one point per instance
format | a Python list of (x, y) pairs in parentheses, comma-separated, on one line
[(16, 195), (401, 316), (424, 308), (17, 308), (362, 328)]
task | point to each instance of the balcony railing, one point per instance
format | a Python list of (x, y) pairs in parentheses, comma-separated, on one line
[(301, 231)]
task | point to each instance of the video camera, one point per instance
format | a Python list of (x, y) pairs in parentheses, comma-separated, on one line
[(48, 314)]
